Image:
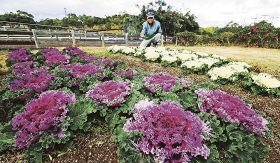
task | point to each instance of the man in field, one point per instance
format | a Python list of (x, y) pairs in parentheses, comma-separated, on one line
[(151, 32)]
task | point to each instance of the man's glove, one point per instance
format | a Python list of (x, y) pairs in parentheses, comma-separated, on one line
[(142, 34)]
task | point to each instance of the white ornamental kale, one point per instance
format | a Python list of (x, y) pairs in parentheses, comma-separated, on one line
[(266, 80), (229, 71)]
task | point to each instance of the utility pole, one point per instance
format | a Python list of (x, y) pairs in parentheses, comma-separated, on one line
[(65, 12)]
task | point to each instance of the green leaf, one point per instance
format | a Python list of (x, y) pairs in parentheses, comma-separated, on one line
[(230, 127), (79, 111), (34, 155)]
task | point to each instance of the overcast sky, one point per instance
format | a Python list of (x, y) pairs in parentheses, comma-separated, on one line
[(208, 12)]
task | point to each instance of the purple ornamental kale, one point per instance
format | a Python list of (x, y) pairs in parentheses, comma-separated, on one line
[(164, 81), (232, 109), (20, 55), (22, 68), (168, 132), (129, 74), (39, 115), (53, 56), (75, 51), (35, 79), (112, 93), (80, 71), (106, 62)]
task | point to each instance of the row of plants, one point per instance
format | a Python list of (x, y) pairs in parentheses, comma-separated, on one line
[(51, 95), (218, 68), (260, 34)]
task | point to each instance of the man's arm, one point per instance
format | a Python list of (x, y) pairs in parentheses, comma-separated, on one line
[(144, 28), (159, 29)]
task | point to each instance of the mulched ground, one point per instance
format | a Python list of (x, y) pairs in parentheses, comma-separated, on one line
[(88, 148), (97, 146), (92, 147)]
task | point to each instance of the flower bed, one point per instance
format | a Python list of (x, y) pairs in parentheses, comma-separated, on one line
[(218, 68), (112, 93)]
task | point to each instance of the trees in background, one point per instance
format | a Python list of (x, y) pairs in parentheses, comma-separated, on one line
[(260, 34), (18, 16), (172, 21)]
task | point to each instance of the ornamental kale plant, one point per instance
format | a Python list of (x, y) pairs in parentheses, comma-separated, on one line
[(165, 82), (76, 52), (106, 62), (80, 71), (20, 55), (22, 68), (40, 115), (168, 132), (112, 93), (35, 79), (53, 57), (232, 109), (129, 74)]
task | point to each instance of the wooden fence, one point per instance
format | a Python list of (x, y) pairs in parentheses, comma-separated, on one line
[(45, 38), (14, 33)]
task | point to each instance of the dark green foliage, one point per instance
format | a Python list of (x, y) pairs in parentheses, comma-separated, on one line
[(7, 137), (79, 112)]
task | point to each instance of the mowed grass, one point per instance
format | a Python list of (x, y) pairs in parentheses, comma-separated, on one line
[(262, 59)]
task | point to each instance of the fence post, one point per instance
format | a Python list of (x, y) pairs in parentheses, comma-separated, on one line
[(50, 32), (176, 40), (29, 29), (35, 38), (73, 38), (126, 39), (102, 40), (56, 36), (161, 40), (5, 29), (85, 34)]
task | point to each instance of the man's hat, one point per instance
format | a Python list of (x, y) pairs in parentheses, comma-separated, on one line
[(150, 15)]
